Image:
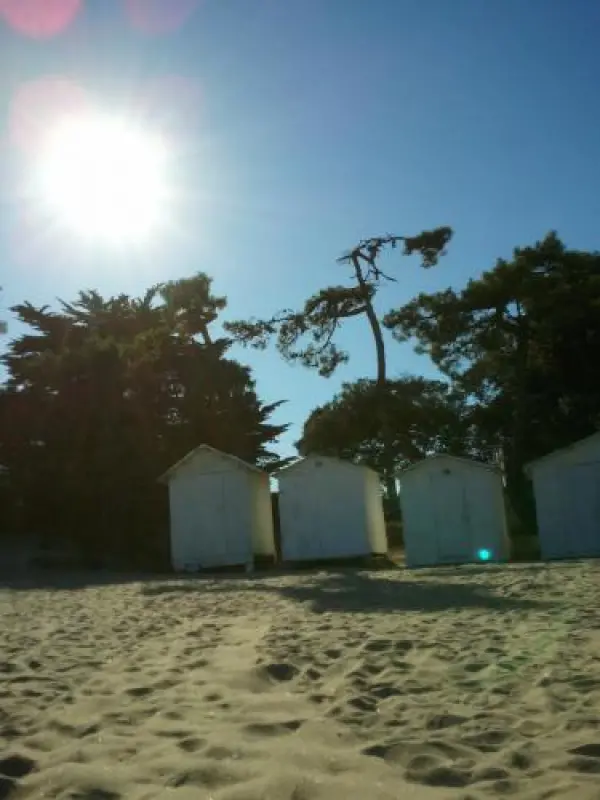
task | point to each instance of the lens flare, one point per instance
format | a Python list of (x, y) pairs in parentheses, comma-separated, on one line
[(39, 19), (38, 105), (159, 16)]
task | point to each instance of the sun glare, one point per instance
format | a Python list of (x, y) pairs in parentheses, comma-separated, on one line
[(104, 178)]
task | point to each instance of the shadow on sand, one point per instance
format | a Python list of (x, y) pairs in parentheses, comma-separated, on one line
[(49, 580), (515, 568), (33, 577), (361, 592), (380, 588)]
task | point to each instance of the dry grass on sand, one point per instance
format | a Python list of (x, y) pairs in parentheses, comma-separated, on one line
[(455, 683)]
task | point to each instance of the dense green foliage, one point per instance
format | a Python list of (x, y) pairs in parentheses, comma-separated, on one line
[(428, 417), (522, 344), (103, 395), (519, 348)]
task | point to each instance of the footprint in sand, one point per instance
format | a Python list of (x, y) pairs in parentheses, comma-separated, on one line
[(523, 758), (220, 753), (475, 666), (488, 741), (16, 766), (427, 763), (363, 703), (438, 775), (383, 691), (319, 698), (491, 773), (581, 764), (11, 769), (440, 722), (140, 691), (313, 675), (273, 728), (279, 672), (191, 744), (588, 750), (377, 646)]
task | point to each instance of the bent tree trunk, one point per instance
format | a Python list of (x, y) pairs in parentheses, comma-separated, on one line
[(389, 467)]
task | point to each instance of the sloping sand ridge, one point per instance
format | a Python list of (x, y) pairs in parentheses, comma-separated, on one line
[(454, 683)]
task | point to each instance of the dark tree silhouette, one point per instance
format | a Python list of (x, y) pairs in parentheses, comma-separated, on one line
[(104, 394), (522, 343)]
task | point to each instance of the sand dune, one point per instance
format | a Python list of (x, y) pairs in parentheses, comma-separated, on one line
[(455, 683)]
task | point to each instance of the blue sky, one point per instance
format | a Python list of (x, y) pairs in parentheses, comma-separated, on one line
[(306, 125)]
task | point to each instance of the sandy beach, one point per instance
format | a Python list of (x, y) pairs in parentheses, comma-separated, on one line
[(451, 683)]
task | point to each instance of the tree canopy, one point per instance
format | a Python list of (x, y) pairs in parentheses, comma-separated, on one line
[(517, 349), (428, 417), (103, 395), (522, 343), (306, 336)]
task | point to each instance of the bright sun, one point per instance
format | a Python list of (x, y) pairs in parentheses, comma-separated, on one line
[(104, 178)]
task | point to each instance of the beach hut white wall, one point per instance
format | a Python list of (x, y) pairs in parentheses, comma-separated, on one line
[(220, 510), (452, 512), (566, 485), (329, 508)]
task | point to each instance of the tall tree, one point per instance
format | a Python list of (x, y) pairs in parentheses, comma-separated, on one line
[(307, 336), (103, 395), (522, 342)]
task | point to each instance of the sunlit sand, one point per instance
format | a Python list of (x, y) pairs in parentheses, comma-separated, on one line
[(472, 682)]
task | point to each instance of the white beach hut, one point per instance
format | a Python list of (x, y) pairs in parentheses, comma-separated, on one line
[(220, 509), (566, 485), (452, 512), (329, 508)]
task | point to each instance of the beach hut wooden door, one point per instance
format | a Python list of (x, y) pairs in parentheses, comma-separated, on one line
[(453, 525), (210, 529), (310, 517), (582, 528)]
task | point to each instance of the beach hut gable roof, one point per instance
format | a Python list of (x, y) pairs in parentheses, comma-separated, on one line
[(206, 448), (594, 438), (468, 462), (300, 462)]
